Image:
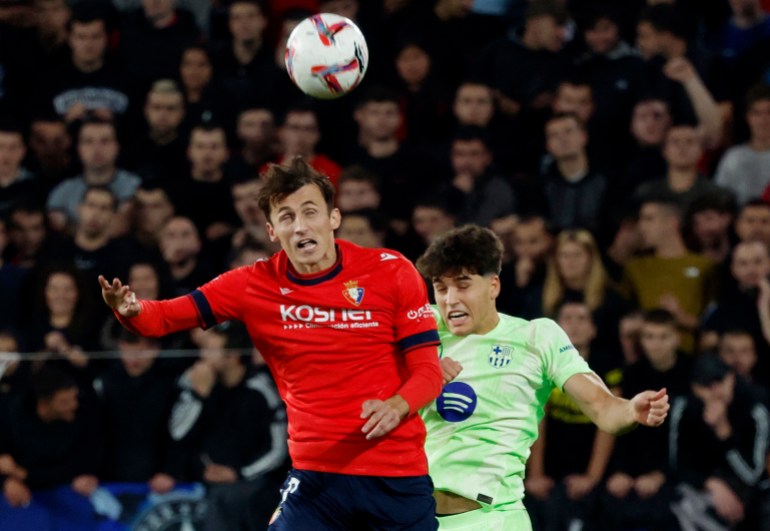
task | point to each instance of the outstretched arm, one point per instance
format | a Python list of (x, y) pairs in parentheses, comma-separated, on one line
[(149, 318), (613, 414)]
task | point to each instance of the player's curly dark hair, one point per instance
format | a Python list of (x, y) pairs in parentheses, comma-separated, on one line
[(469, 248), (283, 180)]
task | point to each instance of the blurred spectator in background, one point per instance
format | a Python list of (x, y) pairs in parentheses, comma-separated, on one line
[(357, 188), (231, 418), (151, 211), (523, 276), (51, 438), (364, 227), (157, 153), (671, 277), (477, 194), (90, 83), (709, 220), (245, 62), (16, 182), (49, 151), (639, 486), (745, 169), (574, 192), (253, 221), (98, 150), (65, 325), (575, 273), (738, 350), (719, 444), (753, 222), (299, 135), (379, 150), (203, 195), (135, 397), (152, 39), (736, 306), (256, 132), (682, 150), (27, 231), (181, 246)]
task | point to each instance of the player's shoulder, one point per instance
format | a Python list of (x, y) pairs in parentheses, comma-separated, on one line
[(379, 257), (534, 330)]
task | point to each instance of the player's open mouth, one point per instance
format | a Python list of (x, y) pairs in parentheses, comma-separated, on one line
[(306, 244), (456, 317)]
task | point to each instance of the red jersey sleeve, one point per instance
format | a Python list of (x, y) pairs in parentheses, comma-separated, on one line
[(414, 322), (222, 298), (417, 337)]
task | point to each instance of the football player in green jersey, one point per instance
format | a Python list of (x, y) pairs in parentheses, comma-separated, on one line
[(500, 372)]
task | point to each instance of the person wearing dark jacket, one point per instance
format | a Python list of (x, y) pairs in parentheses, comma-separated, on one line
[(229, 415), (135, 398), (49, 439), (718, 444)]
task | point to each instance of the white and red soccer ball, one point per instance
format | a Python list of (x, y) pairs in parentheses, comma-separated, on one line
[(326, 56)]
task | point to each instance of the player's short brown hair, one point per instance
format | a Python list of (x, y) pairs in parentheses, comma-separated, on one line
[(283, 180), (469, 248)]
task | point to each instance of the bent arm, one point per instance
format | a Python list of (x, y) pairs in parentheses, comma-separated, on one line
[(613, 414), (425, 379)]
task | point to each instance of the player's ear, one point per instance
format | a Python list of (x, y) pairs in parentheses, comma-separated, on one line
[(271, 232), (336, 218), (494, 287)]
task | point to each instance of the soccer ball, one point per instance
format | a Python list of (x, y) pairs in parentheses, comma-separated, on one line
[(326, 56)]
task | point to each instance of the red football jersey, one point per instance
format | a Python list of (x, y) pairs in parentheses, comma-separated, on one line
[(332, 341)]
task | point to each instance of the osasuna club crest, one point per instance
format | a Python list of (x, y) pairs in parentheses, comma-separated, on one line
[(500, 356), (353, 293)]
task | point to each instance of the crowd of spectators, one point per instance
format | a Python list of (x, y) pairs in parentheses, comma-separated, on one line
[(621, 150)]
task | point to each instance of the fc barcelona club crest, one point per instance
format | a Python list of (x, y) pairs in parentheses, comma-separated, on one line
[(500, 356), (353, 293)]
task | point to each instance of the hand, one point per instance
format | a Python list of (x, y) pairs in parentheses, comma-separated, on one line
[(8, 467), (680, 69), (161, 483), (119, 297), (383, 416), (538, 486), (726, 503), (524, 269), (202, 377), (463, 182), (715, 415), (56, 342), (619, 484), (648, 485), (215, 473), (578, 485), (507, 105), (85, 485), (650, 407), (449, 369), (76, 111), (16, 493)]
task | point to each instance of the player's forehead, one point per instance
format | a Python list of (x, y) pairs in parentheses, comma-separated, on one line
[(456, 276), (307, 195)]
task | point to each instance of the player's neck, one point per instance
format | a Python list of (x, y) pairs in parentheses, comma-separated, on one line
[(327, 262)]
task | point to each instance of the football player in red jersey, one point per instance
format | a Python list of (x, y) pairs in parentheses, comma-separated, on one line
[(353, 355)]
